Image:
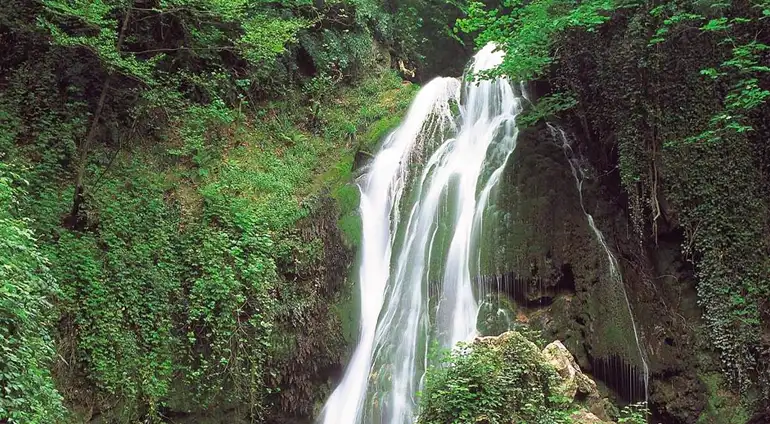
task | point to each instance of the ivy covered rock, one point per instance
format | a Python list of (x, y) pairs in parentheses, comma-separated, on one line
[(507, 379), (667, 104)]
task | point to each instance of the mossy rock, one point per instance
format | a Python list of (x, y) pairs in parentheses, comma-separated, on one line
[(496, 315), (503, 379)]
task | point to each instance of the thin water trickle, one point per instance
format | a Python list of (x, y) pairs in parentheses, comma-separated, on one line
[(422, 220), (614, 267)]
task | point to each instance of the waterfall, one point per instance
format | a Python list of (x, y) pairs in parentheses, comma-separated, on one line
[(422, 220), (614, 268)]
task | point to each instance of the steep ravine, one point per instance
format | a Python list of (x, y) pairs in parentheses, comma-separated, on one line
[(206, 276)]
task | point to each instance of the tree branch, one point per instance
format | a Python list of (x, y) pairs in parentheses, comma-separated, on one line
[(79, 184)]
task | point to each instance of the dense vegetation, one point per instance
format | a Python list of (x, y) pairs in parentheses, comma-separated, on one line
[(25, 339), (498, 382), (171, 178), (507, 379)]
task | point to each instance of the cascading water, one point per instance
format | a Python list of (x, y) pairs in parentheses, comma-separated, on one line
[(422, 220), (614, 268)]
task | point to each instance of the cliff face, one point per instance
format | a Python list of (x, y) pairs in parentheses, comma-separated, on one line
[(687, 219), (695, 212), (561, 277)]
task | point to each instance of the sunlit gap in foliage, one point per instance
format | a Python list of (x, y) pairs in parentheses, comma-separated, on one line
[(614, 268), (422, 205)]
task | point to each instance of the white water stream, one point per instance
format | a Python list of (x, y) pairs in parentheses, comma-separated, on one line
[(422, 202)]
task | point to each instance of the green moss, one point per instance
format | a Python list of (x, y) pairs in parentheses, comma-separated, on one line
[(722, 406), (218, 244), (497, 315), (350, 224), (347, 309), (378, 131)]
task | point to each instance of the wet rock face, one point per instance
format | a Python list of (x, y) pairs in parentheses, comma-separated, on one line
[(678, 396), (543, 227), (633, 101), (316, 330), (546, 246), (659, 281)]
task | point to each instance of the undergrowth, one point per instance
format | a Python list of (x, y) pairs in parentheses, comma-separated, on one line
[(498, 381), (28, 393), (504, 379), (192, 255)]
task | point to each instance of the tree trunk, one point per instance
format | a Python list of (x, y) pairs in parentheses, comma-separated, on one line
[(75, 221)]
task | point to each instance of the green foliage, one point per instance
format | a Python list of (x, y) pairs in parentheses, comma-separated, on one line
[(257, 34), (340, 54), (732, 277), (95, 17), (199, 269), (26, 288), (416, 32), (741, 71), (209, 51), (728, 238), (722, 406), (527, 30), (169, 294), (546, 107), (264, 37), (499, 381), (634, 414)]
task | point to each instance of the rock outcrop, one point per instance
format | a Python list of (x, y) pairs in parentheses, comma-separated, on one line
[(576, 385), (510, 379), (584, 417)]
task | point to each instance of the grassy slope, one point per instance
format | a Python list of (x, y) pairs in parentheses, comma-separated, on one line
[(202, 257)]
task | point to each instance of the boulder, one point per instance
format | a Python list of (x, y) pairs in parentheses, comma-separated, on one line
[(575, 385), (559, 357), (584, 417)]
